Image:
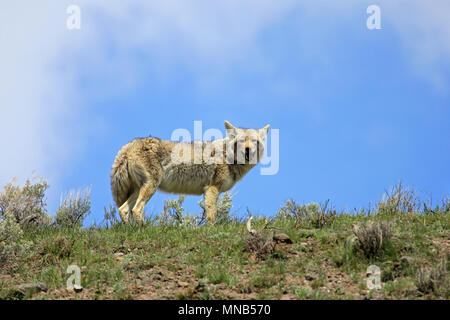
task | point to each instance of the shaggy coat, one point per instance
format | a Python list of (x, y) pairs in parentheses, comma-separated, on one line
[(145, 165)]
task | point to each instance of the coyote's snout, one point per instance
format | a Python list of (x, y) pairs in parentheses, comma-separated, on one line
[(145, 165)]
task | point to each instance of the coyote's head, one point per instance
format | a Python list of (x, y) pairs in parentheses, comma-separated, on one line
[(247, 145)]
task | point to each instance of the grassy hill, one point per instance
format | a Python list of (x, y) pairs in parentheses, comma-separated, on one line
[(327, 259)]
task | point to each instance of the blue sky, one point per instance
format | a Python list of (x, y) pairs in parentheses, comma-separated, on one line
[(357, 110)]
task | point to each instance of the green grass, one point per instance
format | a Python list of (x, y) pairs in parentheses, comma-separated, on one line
[(209, 262)]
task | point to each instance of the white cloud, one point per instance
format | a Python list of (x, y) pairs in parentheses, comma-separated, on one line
[(424, 30), (33, 95), (40, 101), (42, 60)]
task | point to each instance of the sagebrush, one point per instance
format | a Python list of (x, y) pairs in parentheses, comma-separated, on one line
[(25, 204), (313, 213), (74, 208)]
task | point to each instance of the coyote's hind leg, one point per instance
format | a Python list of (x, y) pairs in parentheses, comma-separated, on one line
[(145, 193), (125, 209)]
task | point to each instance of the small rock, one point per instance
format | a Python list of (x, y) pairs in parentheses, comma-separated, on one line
[(183, 283), (118, 256), (31, 288), (76, 288), (282, 237), (200, 286), (407, 260)]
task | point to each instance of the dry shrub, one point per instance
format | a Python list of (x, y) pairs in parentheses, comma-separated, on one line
[(372, 237), (433, 279), (25, 204), (74, 208), (20, 208), (173, 212), (110, 216), (315, 214), (260, 244), (12, 243), (399, 200), (323, 216)]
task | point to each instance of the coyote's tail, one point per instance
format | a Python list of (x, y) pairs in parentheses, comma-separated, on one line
[(127, 175), (121, 183)]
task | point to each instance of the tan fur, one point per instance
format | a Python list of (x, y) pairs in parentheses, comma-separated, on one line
[(145, 165)]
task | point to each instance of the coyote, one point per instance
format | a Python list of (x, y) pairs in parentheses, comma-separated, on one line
[(145, 165)]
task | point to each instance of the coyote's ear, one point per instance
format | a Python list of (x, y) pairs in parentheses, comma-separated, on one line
[(265, 129), (231, 130), (229, 126)]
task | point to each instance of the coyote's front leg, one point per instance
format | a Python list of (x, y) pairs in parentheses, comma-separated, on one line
[(211, 196)]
